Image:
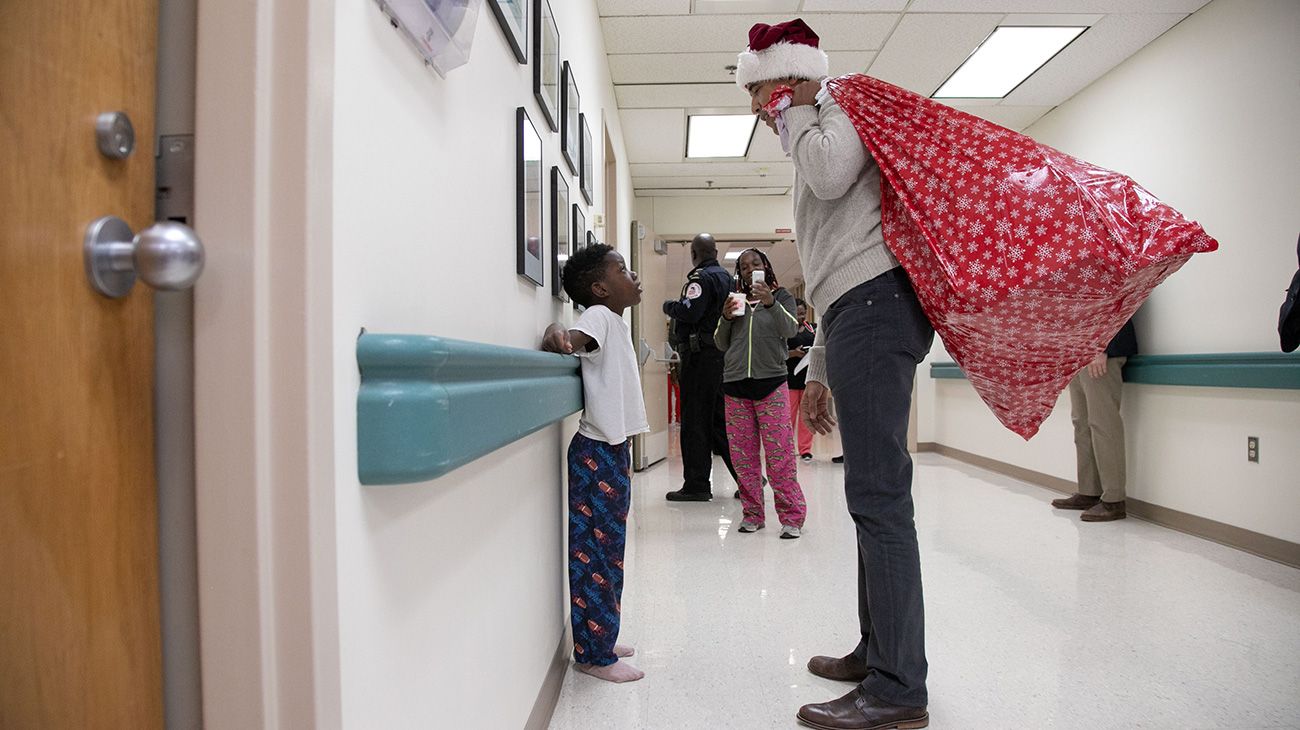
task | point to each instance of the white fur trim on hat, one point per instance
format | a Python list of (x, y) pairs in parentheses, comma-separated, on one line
[(783, 60)]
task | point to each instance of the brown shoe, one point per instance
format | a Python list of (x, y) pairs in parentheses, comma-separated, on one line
[(1104, 512), (858, 710), (1075, 501), (843, 669)]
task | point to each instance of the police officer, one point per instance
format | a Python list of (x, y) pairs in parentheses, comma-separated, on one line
[(695, 317)]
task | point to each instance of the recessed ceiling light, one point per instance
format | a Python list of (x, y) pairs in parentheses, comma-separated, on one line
[(1007, 57), (719, 135), (732, 255)]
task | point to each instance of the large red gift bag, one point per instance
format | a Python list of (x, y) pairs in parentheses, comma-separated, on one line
[(1026, 260)]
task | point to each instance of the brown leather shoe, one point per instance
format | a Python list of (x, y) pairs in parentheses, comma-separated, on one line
[(858, 710), (843, 669), (1075, 501), (1104, 512)]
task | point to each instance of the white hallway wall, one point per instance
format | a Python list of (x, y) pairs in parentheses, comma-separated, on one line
[(450, 592), (1204, 117)]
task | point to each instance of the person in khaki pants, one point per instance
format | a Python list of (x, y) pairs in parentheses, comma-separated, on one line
[(1099, 432)]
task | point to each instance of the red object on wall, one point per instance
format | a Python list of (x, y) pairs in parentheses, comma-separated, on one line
[(1026, 260)]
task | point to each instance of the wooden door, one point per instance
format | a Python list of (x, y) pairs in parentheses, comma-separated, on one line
[(79, 628)]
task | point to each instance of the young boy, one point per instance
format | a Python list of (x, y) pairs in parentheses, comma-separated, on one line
[(600, 458)]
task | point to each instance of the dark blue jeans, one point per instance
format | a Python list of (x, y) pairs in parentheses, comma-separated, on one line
[(875, 336)]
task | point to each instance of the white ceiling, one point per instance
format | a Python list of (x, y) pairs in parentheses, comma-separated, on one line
[(668, 58)]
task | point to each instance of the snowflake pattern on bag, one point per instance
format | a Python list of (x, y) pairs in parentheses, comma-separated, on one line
[(1026, 260)]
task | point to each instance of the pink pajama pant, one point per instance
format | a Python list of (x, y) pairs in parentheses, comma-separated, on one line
[(796, 421), (765, 424)]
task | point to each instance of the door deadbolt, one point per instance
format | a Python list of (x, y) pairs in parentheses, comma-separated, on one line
[(115, 135)]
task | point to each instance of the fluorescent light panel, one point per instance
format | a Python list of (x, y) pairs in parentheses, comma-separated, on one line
[(732, 255), (1007, 57), (719, 135)]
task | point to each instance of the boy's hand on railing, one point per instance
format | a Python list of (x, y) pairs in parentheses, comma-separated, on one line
[(556, 339)]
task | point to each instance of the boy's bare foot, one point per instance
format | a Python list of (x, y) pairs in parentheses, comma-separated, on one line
[(623, 650), (619, 671)]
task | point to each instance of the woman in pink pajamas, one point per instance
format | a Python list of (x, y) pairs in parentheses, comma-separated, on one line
[(753, 332)]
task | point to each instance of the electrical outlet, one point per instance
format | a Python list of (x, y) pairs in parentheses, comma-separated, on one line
[(1252, 449)]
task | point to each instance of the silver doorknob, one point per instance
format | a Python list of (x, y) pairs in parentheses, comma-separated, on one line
[(166, 255)]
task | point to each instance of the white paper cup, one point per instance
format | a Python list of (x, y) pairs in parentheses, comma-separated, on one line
[(736, 303)]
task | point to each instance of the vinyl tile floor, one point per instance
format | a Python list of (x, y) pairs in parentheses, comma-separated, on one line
[(1033, 618)]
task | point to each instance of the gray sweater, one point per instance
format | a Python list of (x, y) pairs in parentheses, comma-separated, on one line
[(836, 211), (755, 343)]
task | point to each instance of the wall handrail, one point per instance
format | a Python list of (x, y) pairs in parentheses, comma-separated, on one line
[(428, 405), (1275, 370)]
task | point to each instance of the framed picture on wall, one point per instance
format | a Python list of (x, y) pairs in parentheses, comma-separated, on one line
[(512, 16), (528, 198), (591, 239), (579, 228), (579, 233), (560, 237), (570, 104), (588, 156), (546, 62)]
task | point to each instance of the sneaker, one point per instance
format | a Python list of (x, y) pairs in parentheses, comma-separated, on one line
[(748, 526), (789, 532), (681, 495), (837, 459), (805, 457)]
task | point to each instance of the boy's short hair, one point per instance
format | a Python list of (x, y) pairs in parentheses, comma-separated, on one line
[(583, 269)]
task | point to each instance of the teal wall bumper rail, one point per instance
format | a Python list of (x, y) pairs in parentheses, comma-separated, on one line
[(1213, 370), (429, 404)]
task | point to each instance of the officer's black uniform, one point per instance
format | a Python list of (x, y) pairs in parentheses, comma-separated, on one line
[(704, 428)]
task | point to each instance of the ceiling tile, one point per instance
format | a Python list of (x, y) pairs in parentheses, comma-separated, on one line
[(853, 6), (678, 95), (695, 68), (925, 49), (714, 7), (654, 135), (697, 169), (1102, 47), (766, 146), (704, 33), (674, 68), (726, 192), (850, 62), (1011, 117), (643, 7), (1057, 19), (719, 181), (1055, 6)]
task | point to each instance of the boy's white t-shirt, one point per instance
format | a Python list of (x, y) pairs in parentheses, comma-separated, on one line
[(611, 382)]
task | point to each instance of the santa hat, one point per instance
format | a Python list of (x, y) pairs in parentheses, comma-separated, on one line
[(782, 51)]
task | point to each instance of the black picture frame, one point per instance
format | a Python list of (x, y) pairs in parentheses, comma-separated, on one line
[(579, 235), (588, 156), (546, 62), (579, 228), (591, 238), (513, 17), (570, 106), (560, 231), (529, 192)]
